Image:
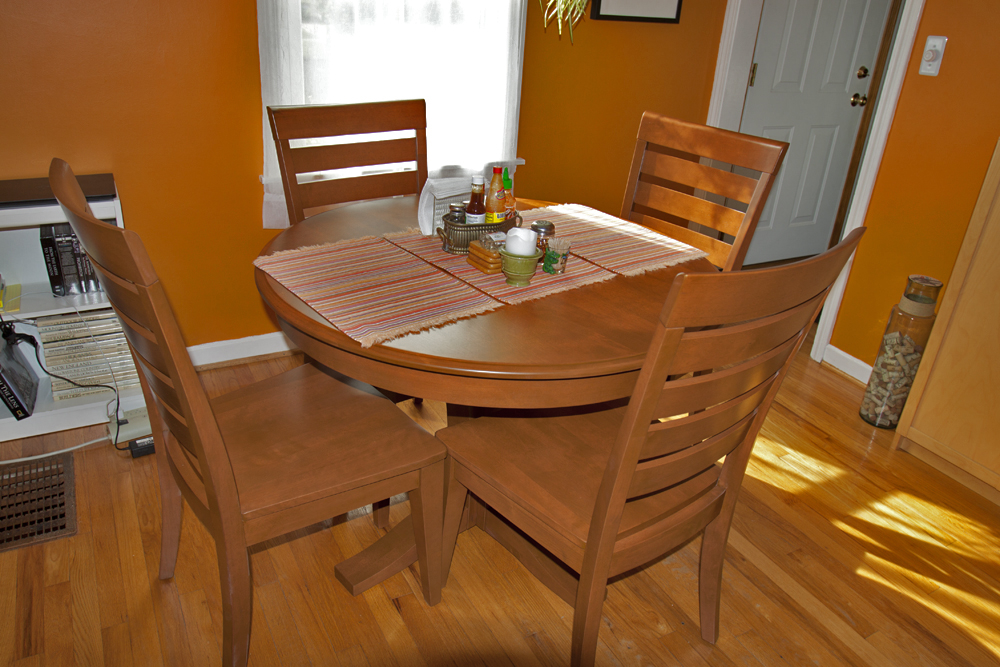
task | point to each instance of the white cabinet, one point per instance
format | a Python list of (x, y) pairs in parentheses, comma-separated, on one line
[(25, 205)]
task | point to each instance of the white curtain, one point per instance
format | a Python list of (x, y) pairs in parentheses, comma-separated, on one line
[(462, 56)]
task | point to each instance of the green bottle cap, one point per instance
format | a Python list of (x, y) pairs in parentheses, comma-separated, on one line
[(508, 183)]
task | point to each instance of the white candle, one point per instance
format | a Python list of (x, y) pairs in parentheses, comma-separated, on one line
[(521, 241)]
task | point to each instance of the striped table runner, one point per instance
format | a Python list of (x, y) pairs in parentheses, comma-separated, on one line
[(428, 248), (372, 290), (378, 288), (612, 243)]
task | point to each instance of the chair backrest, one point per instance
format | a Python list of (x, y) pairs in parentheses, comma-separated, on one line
[(184, 426), (673, 165), (719, 353), (314, 140)]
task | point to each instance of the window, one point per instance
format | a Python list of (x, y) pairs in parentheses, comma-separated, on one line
[(462, 56)]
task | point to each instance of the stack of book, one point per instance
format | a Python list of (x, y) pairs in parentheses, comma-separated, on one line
[(88, 348), (70, 272)]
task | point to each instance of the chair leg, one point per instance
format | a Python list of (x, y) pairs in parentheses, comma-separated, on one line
[(426, 508), (713, 553), (587, 620), (237, 604), (171, 511), (455, 495), (380, 514)]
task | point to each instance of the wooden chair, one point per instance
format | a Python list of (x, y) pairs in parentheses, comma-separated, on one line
[(313, 195), (308, 196), (673, 160), (264, 460), (599, 492)]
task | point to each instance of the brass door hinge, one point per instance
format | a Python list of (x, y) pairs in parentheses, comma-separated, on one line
[(753, 75)]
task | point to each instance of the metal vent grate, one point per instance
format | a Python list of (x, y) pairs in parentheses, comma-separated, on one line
[(37, 501)]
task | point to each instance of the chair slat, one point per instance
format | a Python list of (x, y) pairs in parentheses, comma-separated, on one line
[(717, 250), (177, 425), (688, 207), (186, 465), (642, 547), (704, 391), (125, 297), (159, 383), (742, 150), (313, 122), (661, 473), (780, 289), (701, 176), (323, 193), (310, 159), (641, 513), (668, 437), (718, 348)]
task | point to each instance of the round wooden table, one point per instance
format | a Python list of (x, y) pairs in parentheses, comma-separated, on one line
[(573, 348)]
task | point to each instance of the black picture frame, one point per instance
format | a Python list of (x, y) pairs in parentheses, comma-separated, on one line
[(649, 11)]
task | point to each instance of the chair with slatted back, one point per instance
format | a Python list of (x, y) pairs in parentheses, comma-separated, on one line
[(314, 141), (325, 140), (594, 493), (676, 163), (266, 459)]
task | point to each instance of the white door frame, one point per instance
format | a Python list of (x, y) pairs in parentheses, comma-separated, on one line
[(732, 70)]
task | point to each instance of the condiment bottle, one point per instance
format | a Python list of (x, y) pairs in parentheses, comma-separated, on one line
[(455, 214), (899, 355), (475, 212), (496, 211), (509, 204)]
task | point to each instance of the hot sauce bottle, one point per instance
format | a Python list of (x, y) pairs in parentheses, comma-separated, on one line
[(496, 199), (475, 212)]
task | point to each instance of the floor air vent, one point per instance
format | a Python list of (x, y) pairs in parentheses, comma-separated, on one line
[(37, 501)]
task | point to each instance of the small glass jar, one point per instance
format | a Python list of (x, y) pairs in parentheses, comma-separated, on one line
[(545, 230), (455, 214), (906, 334)]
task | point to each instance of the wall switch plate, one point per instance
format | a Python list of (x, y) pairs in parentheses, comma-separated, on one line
[(930, 61)]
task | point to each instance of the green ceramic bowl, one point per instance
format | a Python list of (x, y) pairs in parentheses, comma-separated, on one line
[(519, 268)]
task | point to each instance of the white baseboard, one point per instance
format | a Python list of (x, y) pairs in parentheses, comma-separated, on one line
[(241, 348), (845, 363)]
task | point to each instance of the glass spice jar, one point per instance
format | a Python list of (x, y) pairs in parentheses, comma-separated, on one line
[(545, 229), (906, 334)]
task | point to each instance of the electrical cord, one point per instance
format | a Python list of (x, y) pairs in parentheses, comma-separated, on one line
[(13, 338)]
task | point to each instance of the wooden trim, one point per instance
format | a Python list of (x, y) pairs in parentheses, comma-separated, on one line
[(929, 457), (874, 92), (902, 47)]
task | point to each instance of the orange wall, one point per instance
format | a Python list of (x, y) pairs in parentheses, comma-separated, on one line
[(165, 95), (938, 151), (581, 102)]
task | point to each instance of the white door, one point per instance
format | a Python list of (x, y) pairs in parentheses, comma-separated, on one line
[(808, 57)]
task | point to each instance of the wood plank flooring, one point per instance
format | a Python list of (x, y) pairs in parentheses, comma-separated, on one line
[(842, 553)]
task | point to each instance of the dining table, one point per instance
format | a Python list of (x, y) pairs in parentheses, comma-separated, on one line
[(576, 347)]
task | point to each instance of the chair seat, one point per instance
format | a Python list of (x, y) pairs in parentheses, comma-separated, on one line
[(270, 430), (558, 489)]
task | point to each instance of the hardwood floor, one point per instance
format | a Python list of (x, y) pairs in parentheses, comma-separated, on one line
[(842, 553)]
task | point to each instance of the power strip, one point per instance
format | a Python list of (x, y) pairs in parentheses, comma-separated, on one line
[(133, 425)]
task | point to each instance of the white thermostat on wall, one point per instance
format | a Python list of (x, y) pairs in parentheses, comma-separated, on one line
[(930, 62)]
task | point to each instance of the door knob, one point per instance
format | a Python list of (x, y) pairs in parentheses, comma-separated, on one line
[(862, 72), (858, 100)]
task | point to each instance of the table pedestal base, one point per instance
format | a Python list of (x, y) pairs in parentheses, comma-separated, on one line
[(396, 550)]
